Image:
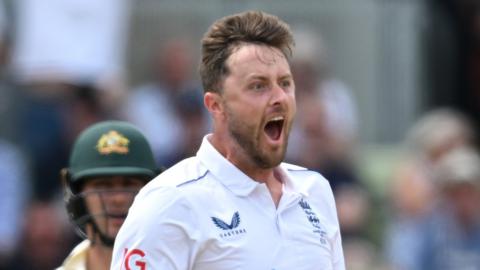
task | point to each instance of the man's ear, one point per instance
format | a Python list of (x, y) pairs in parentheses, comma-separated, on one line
[(213, 102)]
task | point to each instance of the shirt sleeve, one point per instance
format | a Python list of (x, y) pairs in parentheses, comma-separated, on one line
[(159, 233)]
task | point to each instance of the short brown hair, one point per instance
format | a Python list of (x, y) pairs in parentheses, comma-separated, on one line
[(228, 32)]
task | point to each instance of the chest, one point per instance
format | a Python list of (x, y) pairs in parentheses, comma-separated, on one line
[(251, 233)]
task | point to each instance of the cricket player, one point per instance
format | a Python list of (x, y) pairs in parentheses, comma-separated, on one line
[(109, 163), (236, 205)]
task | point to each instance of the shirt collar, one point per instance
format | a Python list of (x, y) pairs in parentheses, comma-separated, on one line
[(232, 177), (289, 185), (229, 175)]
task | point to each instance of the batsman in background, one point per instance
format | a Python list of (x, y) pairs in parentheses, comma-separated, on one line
[(109, 163), (236, 205)]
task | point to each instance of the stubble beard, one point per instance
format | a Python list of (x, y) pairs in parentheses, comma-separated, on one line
[(248, 140)]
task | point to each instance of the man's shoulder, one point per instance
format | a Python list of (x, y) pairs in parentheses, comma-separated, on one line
[(77, 258), (308, 181), (174, 184), (293, 167), (170, 196), (303, 173), (184, 172)]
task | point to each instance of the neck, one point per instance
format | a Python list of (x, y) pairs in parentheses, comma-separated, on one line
[(237, 156), (99, 257)]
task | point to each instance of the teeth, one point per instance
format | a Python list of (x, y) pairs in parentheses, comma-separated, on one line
[(278, 118)]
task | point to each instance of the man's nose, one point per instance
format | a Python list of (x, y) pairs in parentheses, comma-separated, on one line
[(120, 198), (279, 96)]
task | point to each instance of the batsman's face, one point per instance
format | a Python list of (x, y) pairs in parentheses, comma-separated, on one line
[(259, 103), (108, 199)]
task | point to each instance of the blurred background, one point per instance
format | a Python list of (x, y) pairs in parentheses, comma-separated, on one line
[(388, 95)]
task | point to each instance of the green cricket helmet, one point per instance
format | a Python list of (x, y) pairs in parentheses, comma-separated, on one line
[(109, 148)]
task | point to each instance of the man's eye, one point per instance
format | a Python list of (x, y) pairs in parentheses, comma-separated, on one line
[(285, 84), (102, 185), (258, 86), (133, 183)]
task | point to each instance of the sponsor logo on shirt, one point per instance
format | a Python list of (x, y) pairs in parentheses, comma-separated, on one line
[(313, 219), (229, 229), (135, 257)]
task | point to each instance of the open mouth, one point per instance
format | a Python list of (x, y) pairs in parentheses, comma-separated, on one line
[(274, 128)]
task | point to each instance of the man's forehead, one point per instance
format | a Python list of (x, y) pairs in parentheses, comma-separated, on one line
[(248, 53)]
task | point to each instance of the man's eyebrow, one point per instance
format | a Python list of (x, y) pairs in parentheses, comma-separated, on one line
[(257, 77), (261, 77), (286, 76)]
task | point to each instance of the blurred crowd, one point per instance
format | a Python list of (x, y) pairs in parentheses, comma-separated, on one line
[(63, 69)]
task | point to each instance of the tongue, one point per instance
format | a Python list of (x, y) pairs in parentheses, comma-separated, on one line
[(272, 130)]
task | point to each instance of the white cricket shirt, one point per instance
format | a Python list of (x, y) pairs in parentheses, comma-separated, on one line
[(206, 214)]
